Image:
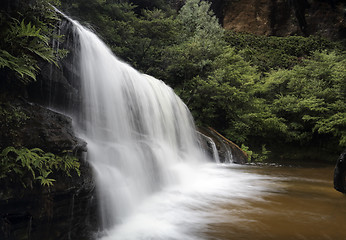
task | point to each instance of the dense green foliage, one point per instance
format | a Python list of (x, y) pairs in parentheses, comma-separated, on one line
[(136, 38), (309, 98), (271, 94), (30, 165), (267, 53), (26, 31)]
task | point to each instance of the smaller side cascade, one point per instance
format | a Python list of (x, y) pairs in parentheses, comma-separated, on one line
[(209, 146), (227, 151)]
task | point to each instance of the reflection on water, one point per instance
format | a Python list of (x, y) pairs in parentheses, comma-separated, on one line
[(234, 202), (301, 204)]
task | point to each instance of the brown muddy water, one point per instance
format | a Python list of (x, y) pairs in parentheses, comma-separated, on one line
[(297, 203), (237, 202)]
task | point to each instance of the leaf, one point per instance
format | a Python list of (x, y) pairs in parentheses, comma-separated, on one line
[(35, 162), (45, 181), (38, 150), (45, 173), (7, 150), (19, 65), (30, 31), (43, 52)]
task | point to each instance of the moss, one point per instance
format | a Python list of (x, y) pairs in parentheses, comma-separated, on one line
[(12, 116)]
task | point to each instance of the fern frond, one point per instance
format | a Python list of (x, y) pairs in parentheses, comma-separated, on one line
[(45, 181), (7, 150), (45, 173), (20, 162), (78, 171), (28, 30), (18, 170), (19, 65), (37, 150), (43, 52)]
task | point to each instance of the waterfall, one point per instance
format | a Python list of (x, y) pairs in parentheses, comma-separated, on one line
[(138, 131), (211, 144), (215, 153), (153, 179), (228, 155)]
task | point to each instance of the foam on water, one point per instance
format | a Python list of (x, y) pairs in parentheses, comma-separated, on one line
[(184, 211)]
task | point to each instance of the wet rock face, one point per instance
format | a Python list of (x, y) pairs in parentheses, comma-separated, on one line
[(65, 211), (59, 87), (30, 125), (68, 209), (340, 173)]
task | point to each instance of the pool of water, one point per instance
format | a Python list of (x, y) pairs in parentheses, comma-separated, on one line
[(241, 202), (300, 203)]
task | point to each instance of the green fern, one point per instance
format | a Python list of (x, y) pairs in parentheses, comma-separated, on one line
[(6, 151), (46, 53), (25, 40), (17, 164), (28, 30), (23, 66), (46, 181)]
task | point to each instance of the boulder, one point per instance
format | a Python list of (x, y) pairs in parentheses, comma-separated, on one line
[(340, 173)]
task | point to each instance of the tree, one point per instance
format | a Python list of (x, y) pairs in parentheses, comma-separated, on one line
[(199, 42), (310, 100)]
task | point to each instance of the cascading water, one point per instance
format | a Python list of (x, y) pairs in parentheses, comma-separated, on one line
[(154, 182), (138, 131), (211, 144)]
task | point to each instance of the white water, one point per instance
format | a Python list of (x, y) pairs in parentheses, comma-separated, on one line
[(215, 153), (154, 181)]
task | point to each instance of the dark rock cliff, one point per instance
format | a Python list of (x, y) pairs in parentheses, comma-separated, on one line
[(326, 18), (285, 17), (31, 125), (67, 210)]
